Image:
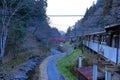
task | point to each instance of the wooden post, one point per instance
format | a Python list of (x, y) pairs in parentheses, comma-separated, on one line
[(117, 46), (89, 45), (95, 72), (99, 41)]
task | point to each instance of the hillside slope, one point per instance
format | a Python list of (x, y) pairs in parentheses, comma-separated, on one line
[(99, 15)]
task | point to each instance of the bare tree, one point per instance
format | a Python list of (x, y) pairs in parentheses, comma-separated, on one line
[(8, 12)]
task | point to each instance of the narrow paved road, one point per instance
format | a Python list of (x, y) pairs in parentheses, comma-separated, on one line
[(48, 68), (53, 73)]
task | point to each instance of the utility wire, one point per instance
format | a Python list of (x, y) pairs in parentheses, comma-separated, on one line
[(65, 15), (59, 15), (77, 15)]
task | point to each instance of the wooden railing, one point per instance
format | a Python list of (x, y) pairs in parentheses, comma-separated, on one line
[(106, 51)]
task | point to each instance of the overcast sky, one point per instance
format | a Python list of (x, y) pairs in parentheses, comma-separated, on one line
[(66, 7)]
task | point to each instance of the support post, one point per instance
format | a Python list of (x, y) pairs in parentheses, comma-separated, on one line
[(80, 62), (107, 75), (95, 72)]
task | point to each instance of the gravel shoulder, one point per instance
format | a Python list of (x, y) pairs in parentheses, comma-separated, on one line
[(48, 68), (43, 69)]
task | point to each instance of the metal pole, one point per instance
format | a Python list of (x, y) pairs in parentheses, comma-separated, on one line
[(94, 72), (107, 75), (80, 62)]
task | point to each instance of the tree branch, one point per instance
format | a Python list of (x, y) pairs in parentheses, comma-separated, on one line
[(21, 2)]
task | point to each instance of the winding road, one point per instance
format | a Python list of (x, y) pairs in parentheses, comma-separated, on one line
[(53, 73), (48, 68)]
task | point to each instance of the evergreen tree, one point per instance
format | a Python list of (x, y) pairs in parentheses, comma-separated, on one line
[(89, 12), (107, 6)]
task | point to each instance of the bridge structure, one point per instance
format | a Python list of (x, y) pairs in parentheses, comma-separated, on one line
[(58, 40)]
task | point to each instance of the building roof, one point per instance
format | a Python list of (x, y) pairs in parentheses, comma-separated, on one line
[(101, 32), (113, 25)]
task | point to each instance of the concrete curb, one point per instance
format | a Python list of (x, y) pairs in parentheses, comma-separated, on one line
[(43, 69)]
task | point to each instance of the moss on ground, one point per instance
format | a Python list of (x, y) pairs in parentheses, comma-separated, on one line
[(68, 44), (68, 64)]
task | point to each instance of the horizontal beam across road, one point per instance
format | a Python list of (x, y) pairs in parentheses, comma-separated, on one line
[(74, 15), (65, 15)]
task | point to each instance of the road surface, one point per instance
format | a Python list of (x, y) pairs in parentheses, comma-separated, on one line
[(53, 73)]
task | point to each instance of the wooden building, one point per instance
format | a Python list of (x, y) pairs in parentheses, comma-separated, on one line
[(105, 43), (114, 40)]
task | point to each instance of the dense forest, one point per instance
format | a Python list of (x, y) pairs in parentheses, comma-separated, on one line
[(24, 33), (99, 15), (20, 18)]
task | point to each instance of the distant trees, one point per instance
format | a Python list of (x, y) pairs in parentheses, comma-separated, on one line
[(89, 12), (68, 31)]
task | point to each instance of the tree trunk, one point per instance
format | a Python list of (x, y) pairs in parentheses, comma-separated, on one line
[(6, 19), (3, 36), (3, 40)]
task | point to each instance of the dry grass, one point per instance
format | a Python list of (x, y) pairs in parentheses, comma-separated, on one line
[(89, 59)]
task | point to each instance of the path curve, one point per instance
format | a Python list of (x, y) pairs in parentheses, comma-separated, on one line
[(53, 73), (48, 68)]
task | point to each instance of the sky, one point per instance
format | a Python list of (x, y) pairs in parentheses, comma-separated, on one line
[(66, 7)]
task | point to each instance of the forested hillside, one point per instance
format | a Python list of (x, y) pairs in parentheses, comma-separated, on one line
[(99, 15), (20, 18), (24, 34)]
